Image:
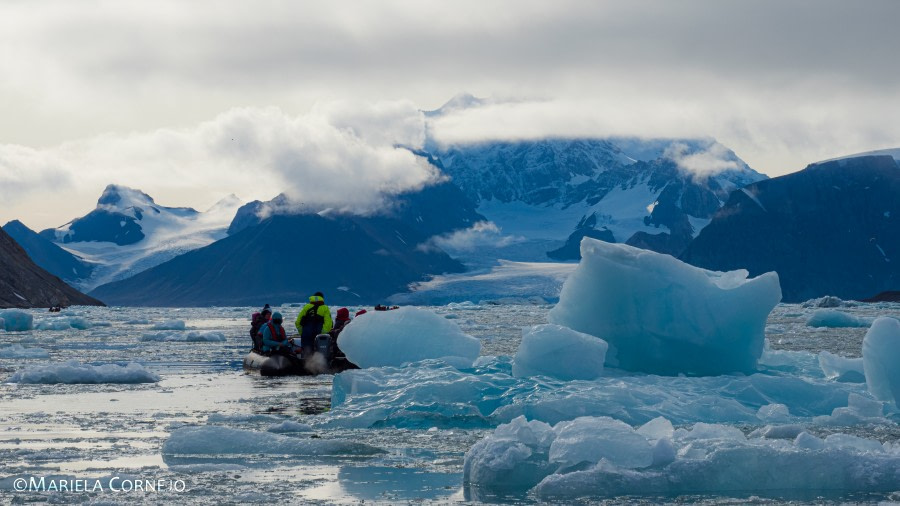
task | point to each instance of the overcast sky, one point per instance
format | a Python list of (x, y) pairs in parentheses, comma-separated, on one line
[(191, 101)]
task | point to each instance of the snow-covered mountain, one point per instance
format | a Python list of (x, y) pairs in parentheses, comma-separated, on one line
[(129, 232), (651, 193), (552, 188), (282, 254)]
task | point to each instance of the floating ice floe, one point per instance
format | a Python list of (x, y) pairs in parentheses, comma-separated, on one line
[(842, 369), (826, 301), (225, 441), (289, 426), (16, 321), (169, 325), (72, 372), (559, 352), (255, 418), (408, 334), (662, 316), (860, 409), (881, 359), (602, 457), (64, 323), (430, 393), (832, 318), (18, 351), (176, 336)]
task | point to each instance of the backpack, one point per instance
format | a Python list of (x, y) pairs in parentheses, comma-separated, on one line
[(312, 322)]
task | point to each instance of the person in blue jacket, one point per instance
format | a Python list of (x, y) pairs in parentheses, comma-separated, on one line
[(274, 338)]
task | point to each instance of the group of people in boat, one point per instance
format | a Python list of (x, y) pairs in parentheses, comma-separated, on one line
[(268, 334)]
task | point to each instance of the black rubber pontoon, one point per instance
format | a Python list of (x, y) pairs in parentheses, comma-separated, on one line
[(325, 359)]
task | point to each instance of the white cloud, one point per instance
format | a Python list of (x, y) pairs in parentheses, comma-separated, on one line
[(343, 156), (701, 164), (483, 234)]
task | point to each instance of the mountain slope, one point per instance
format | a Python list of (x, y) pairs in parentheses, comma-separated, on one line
[(286, 258), (830, 229), (57, 261), (23, 284)]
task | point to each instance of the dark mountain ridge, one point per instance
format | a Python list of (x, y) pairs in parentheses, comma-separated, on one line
[(24, 285), (830, 229)]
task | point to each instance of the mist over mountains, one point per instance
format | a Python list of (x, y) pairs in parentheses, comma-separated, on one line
[(530, 200)]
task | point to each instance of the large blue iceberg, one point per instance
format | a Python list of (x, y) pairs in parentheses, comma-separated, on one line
[(663, 316)]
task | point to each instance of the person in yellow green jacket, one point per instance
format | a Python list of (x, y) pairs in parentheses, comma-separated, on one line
[(314, 319)]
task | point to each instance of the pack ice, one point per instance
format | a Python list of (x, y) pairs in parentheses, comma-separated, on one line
[(408, 334), (662, 316), (603, 457)]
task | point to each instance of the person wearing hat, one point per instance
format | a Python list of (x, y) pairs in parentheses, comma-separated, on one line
[(314, 319), (274, 338), (256, 322), (340, 321)]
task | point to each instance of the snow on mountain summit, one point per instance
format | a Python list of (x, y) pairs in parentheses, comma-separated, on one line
[(129, 232)]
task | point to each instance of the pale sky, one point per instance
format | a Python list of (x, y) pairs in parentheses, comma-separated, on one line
[(191, 101)]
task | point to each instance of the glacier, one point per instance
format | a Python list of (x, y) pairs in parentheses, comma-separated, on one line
[(660, 315)]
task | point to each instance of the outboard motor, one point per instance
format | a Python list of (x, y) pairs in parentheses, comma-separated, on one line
[(323, 347)]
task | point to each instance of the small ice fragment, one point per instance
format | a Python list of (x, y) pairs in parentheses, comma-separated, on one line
[(559, 352)]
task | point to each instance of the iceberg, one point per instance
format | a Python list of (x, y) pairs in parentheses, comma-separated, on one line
[(602, 457), (831, 318), (881, 359), (73, 372), (663, 316), (225, 441), (16, 321), (408, 334), (559, 352)]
